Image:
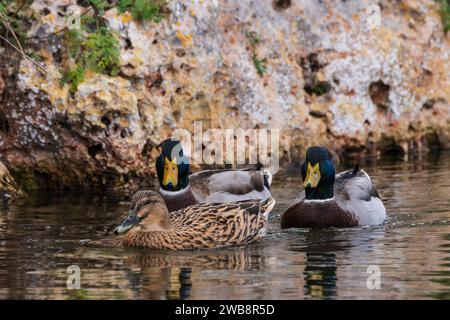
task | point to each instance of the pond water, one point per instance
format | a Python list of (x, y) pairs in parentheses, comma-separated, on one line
[(39, 240)]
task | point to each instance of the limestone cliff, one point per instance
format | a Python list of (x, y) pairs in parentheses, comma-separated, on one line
[(314, 69)]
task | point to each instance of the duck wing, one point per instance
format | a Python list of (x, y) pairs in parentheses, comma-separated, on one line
[(355, 192), (211, 225), (230, 185)]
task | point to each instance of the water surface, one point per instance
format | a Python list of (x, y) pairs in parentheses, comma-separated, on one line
[(39, 240)]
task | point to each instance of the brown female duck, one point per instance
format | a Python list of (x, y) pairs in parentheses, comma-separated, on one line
[(200, 226), (180, 190)]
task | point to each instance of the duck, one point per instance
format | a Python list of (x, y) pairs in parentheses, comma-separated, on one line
[(346, 199), (180, 189), (149, 224)]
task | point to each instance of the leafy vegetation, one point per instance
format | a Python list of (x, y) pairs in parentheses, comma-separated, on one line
[(260, 64), (74, 77), (11, 25), (445, 14), (97, 51), (99, 6), (102, 52), (152, 10), (95, 47), (252, 38)]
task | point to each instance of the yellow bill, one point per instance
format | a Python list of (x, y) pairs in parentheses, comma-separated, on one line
[(312, 176), (170, 172)]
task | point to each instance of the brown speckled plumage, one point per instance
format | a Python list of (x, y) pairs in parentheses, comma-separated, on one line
[(201, 226)]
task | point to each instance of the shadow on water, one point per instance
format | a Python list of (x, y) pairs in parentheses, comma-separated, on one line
[(442, 277), (39, 240)]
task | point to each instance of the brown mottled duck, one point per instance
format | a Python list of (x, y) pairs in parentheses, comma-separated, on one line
[(200, 226)]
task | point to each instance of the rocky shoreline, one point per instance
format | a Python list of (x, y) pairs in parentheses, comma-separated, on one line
[(314, 70)]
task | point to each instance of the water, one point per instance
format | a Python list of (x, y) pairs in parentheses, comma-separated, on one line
[(39, 240)]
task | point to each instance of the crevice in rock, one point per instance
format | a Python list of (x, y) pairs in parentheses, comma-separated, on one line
[(425, 78), (4, 123), (128, 44), (147, 149), (154, 80), (63, 122), (429, 104), (379, 93), (280, 5), (180, 53), (125, 133), (318, 88), (45, 12), (105, 120), (311, 66), (95, 149), (317, 114)]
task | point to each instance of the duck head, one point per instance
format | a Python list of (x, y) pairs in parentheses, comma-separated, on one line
[(318, 174), (148, 212), (172, 166)]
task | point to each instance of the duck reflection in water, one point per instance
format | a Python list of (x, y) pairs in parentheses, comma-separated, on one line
[(169, 276), (320, 275)]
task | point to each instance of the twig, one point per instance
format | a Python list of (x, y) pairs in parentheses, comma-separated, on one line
[(5, 22), (27, 57)]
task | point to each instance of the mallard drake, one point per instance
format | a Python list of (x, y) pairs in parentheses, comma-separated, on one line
[(344, 200), (179, 189), (200, 226)]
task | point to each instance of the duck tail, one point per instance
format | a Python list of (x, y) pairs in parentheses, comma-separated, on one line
[(356, 169), (267, 176), (267, 206)]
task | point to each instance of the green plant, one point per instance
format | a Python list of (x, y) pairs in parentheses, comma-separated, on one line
[(152, 10), (97, 51), (102, 52), (99, 6), (2, 7), (259, 65), (445, 14), (252, 37), (74, 77), (74, 42), (11, 24)]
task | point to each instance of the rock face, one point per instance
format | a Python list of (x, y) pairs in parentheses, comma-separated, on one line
[(324, 72)]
